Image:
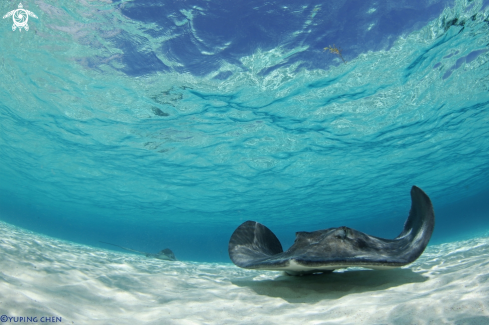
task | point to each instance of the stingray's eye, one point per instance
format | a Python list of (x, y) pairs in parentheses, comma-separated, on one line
[(340, 233)]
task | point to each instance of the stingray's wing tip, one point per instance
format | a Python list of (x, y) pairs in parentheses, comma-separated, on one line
[(422, 206), (251, 243), (420, 223), (416, 190)]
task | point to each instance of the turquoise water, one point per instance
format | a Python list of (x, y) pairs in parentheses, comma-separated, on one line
[(108, 132)]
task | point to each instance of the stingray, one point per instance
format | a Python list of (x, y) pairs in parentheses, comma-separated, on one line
[(165, 254), (254, 246)]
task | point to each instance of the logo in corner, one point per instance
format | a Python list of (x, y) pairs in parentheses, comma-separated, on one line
[(20, 17)]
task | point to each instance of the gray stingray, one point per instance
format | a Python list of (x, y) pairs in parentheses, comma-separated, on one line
[(254, 246), (165, 254)]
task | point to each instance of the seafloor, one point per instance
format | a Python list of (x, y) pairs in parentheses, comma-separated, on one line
[(45, 277)]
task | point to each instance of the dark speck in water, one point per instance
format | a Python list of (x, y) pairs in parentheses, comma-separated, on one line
[(158, 111)]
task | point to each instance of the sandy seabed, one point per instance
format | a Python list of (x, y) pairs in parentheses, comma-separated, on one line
[(45, 277)]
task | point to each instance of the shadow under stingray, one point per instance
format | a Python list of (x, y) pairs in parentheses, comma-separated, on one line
[(314, 288)]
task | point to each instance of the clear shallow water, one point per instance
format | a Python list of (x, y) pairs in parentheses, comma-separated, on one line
[(168, 125)]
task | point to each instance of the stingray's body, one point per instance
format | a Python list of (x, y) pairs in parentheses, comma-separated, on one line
[(166, 254), (254, 246)]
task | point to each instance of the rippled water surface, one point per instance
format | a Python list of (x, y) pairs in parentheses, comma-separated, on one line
[(167, 124)]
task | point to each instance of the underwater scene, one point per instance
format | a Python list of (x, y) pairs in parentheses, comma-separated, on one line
[(244, 162)]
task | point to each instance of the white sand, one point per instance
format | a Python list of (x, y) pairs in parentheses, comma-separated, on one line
[(40, 276)]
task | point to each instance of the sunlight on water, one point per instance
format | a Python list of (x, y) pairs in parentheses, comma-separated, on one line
[(94, 128), (167, 124), (279, 141)]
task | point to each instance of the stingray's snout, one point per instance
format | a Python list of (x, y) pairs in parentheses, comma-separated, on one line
[(342, 232)]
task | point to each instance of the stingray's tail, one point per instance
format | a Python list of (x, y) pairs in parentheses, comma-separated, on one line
[(127, 249), (420, 223), (252, 242)]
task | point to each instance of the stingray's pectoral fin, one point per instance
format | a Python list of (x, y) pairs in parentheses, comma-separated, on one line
[(252, 243), (419, 225)]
